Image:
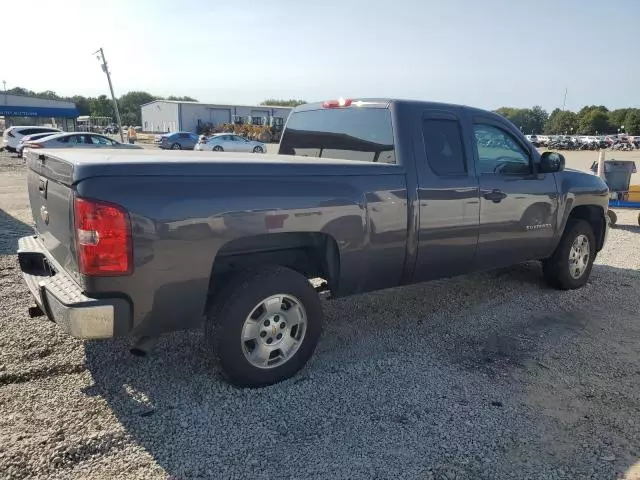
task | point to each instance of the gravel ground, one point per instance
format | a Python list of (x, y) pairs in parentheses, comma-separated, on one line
[(489, 376)]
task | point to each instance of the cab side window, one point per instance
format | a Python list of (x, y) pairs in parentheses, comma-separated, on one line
[(443, 145), (499, 152)]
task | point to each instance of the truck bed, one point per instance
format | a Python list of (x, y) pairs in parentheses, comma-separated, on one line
[(188, 208), (70, 166)]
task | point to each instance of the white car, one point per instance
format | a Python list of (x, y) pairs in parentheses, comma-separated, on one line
[(229, 142), (78, 140), (13, 135)]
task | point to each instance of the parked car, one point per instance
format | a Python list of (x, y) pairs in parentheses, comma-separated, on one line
[(228, 142), (13, 135), (32, 138), (363, 195), (78, 140), (177, 141)]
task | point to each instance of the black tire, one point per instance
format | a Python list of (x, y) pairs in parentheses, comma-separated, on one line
[(258, 150), (556, 268), (613, 218), (218, 148), (176, 146), (235, 301)]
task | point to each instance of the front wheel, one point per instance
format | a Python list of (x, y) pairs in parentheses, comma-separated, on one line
[(258, 149), (570, 265), (176, 146), (218, 148), (263, 326)]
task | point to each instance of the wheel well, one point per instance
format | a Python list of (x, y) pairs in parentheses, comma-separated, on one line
[(595, 216), (313, 254)]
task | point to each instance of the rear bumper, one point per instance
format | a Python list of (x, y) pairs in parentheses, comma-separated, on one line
[(63, 301)]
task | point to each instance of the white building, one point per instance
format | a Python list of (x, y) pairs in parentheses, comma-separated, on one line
[(162, 116)]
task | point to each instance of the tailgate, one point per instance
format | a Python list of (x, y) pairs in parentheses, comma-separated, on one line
[(49, 181)]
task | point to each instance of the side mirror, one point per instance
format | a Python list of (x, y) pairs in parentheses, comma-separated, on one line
[(551, 162)]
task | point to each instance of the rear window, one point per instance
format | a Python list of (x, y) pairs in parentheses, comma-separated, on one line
[(362, 134), (31, 131)]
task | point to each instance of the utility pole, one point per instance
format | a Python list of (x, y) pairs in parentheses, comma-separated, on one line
[(4, 84), (564, 102), (105, 69)]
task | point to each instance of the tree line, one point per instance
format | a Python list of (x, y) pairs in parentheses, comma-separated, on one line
[(590, 120), (102, 106), (128, 104)]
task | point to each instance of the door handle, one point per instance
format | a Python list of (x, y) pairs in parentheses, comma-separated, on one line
[(494, 195), (42, 187)]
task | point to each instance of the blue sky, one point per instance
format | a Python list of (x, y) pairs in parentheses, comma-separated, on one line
[(485, 53)]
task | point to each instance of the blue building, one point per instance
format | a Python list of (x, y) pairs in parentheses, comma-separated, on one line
[(26, 110)]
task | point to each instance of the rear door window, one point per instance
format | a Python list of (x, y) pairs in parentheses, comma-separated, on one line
[(443, 145), (354, 133)]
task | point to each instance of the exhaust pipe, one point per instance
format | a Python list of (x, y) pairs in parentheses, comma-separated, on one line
[(143, 346)]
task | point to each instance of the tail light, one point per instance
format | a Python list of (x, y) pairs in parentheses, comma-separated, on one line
[(33, 145), (103, 238), (10, 134)]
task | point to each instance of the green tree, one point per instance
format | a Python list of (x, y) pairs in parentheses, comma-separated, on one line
[(20, 91), (529, 120), (129, 105), (539, 117), (181, 99), (632, 122), (82, 104), (101, 107), (588, 108), (618, 117), (273, 102), (561, 122), (49, 94), (595, 121)]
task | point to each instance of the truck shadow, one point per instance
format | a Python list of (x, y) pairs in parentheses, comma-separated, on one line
[(11, 229), (455, 353)]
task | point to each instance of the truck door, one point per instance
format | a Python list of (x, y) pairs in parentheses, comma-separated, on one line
[(518, 206), (448, 197)]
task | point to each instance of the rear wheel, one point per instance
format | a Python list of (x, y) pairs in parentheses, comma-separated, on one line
[(218, 148), (263, 326), (258, 149), (176, 146), (613, 218), (570, 265)]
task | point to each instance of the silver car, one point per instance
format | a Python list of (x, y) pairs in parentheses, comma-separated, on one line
[(228, 142), (78, 140), (32, 138)]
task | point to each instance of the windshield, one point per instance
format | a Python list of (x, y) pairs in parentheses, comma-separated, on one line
[(363, 134)]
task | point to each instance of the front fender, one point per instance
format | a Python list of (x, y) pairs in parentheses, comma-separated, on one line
[(582, 195)]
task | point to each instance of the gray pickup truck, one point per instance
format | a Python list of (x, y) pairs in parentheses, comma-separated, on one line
[(363, 195)]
